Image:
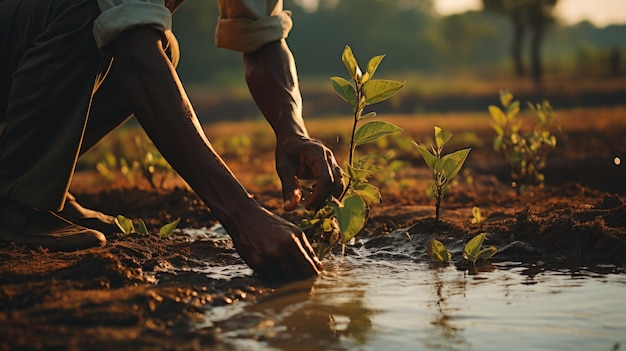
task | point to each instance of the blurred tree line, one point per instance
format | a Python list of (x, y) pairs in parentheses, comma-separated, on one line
[(414, 39)]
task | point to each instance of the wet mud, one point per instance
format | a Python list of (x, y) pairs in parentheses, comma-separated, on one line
[(148, 292)]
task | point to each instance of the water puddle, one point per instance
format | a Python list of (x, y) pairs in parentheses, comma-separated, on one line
[(374, 301)]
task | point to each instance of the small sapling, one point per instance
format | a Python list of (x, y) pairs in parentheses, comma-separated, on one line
[(475, 251), (342, 218), (443, 167), (525, 154), (127, 227)]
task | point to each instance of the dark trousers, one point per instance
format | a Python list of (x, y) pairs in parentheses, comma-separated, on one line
[(54, 101)]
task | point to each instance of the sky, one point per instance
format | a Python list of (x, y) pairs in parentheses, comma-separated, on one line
[(600, 12)]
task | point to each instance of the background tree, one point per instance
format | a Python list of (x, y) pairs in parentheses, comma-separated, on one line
[(533, 15), (415, 39)]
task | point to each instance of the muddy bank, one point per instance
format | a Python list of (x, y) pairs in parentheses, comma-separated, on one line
[(147, 292)]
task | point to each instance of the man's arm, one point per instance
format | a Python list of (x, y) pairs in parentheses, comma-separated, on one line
[(273, 82), (272, 246)]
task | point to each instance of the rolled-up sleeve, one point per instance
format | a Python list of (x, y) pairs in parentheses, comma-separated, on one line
[(120, 15), (246, 25)]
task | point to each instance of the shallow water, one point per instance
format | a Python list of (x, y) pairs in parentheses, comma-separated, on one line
[(383, 299)]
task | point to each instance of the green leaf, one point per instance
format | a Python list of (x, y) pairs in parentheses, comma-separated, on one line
[(373, 130), (308, 223), (377, 90), (497, 143), (345, 90), (364, 78), (451, 164), (351, 216), (430, 159), (477, 217), (358, 174), (141, 228), (372, 65), (369, 193), (440, 252), (125, 224), (498, 116), (472, 248), (168, 229), (441, 137), (505, 97), (498, 129), (486, 254), (512, 110), (369, 115), (327, 225), (350, 62)]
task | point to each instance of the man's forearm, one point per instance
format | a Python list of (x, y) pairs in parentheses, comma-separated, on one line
[(273, 82), (162, 107)]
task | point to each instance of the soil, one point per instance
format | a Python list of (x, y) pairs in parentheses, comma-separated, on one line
[(141, 292)]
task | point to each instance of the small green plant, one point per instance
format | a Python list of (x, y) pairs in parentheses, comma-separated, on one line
[(524, 153), (127, 227), (149, 164), (443, 167), (475, 251), (477, 217), (439, 252), (344, 217), (472, 252)]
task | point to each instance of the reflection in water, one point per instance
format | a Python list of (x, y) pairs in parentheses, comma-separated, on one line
[(327, 314), (448, 334), (374, 301)]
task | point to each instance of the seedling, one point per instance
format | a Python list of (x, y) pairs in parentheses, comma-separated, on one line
[(148, 163), (524, 153), (443, 167), (342, 218), (439, 252), (477, 217), (474, 250), (127, 227)]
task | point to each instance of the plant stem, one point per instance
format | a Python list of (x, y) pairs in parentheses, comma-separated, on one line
[(352, 147), (357, 117), (438, 195)]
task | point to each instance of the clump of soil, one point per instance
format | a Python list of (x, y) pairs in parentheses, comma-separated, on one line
[(141, 291)]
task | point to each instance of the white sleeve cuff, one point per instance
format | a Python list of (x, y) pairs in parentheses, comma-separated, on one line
[(117, 19)]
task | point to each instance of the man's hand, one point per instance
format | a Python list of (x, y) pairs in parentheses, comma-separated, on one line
[(273, 247), (299, 158)]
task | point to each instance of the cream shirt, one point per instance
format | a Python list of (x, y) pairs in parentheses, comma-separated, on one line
[(120, 15), (244, 25)]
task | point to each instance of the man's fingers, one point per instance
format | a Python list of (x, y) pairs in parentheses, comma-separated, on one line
[(294, 262), (328, 180), (305, 261), (290, 184), (292, 199), (309, 249)]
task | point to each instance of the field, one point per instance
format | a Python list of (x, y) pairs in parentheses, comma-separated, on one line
[(140, 291)]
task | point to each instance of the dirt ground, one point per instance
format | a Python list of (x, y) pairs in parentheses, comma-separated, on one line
[(138, 291)]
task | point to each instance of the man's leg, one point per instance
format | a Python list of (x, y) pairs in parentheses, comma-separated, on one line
[(54, 65), (49, 65), (109, 109)]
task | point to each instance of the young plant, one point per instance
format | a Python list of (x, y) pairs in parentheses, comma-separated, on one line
[(439, 252), (343, 217), (524, 153), (147, 163), (443, 167), (127, 227), (477, 217), (474, 250)]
